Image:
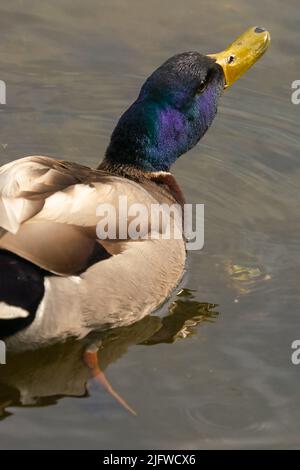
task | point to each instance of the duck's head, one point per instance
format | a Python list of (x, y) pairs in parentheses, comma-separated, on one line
[(178, 103)]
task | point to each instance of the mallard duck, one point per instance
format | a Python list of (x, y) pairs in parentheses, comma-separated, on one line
[(58, 279)]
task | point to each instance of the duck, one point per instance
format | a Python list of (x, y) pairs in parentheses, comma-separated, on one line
[(58, 279)]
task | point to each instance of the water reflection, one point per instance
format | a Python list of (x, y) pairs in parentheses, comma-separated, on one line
[(43, 376)]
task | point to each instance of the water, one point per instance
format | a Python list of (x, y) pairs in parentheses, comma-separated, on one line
[(217, 371)]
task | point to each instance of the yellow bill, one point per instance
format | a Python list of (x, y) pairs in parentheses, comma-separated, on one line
[(242, 53)]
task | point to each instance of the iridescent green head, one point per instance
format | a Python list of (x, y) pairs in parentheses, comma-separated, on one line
[(178, 103)]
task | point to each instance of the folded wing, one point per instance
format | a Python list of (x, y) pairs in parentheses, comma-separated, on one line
[(48, 211)]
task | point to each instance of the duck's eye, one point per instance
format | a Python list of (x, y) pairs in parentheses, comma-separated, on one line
[(201, 87), (231, 59)]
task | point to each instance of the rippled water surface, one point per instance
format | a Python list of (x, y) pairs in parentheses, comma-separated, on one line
[(212, 368)]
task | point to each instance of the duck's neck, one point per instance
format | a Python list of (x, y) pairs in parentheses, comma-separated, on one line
[(125, 170), (151, 135)]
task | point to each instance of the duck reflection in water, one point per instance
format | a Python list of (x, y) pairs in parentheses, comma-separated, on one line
[(42, 376)]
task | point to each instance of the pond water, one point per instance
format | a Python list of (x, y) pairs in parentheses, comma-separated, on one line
[(211, 369)]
